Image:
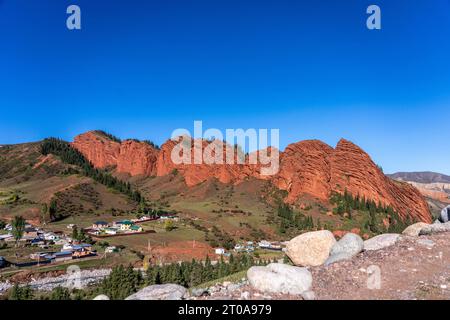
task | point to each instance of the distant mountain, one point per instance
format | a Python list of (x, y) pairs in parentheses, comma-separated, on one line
[(421, 177)]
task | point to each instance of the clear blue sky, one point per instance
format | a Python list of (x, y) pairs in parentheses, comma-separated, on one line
[(144, 68)]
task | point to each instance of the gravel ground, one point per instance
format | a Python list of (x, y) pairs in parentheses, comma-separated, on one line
[(413, 268), (83, 279)]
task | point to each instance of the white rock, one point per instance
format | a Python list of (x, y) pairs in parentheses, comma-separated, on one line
[(280, 278), (101, 297), (445, 214), (309, 295), (160, 292), (381, 241)]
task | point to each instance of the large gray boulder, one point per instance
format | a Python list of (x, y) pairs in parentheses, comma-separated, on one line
[(280, 278), (435, 228), (338, 257), (414, 229), (445, 214), (381, 241), (160, 292), (350, 244), (311, 248)]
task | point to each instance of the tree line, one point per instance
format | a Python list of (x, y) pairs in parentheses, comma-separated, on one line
[(291, 219), (346, 203), (123, 281)]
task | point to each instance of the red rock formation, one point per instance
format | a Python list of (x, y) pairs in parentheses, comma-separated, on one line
[(137, 158), (98, 149), (130, 156), (198, 173), (314, 168), (307, 167)]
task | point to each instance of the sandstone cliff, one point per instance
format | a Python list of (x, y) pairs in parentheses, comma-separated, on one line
[(307, 167)]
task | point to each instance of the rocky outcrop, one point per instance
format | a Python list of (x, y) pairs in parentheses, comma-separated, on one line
[(129, 156), (306, 168), (160, 292), (314, 168), (137, 158), (197, 173), (280, 278), (311, 248), (101, 151)]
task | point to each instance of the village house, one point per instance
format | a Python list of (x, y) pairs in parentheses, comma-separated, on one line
[(219, 251), (82, 250), (50, 236), (124, 225), (100, 225), (30, 233), (63, 256), (110, 231), (136, 228)]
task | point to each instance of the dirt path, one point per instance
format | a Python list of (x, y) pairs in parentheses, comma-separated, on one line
[(414, 268)]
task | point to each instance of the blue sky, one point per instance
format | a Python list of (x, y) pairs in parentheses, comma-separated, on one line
[(312, 69)]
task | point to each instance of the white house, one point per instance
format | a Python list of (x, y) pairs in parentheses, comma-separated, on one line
[(6, 237), (49, 236), (220, 251), (111, 231), (67, 247)]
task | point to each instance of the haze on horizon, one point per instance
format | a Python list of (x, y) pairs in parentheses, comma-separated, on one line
[(141, 70)]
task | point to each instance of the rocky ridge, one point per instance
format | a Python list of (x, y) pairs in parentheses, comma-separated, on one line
[(306, 168)]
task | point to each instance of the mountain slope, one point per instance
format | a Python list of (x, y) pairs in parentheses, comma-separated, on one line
[(35, 179)]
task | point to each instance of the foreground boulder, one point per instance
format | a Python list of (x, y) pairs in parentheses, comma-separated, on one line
[(349, 246), (435, 228), (160, 292), (414, 229), (280, 278), (445, 214), (311, 248), (101, 297), (381, 241)]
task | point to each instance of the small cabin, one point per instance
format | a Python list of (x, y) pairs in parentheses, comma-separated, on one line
[(100, 225)]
